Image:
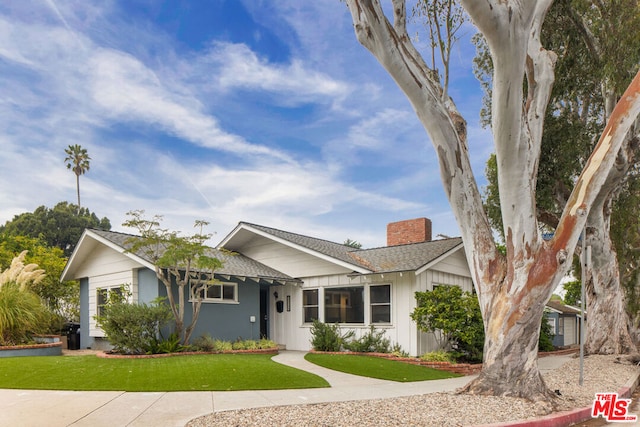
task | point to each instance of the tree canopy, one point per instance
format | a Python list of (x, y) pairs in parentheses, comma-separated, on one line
[(60, 226)]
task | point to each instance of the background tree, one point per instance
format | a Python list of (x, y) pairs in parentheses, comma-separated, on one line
[(78, 161), (512, 288), (60, 226), (352, 244), (573, 292), (61, 298), (589, 82), (183, 263)]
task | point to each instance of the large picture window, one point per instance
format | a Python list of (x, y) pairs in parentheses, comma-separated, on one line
[(344, 305), (380, 300), (310, 305), (219, 292)]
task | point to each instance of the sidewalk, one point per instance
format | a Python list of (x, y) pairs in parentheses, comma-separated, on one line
[(108, 409)]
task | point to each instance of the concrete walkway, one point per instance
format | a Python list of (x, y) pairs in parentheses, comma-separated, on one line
[(109, 409)]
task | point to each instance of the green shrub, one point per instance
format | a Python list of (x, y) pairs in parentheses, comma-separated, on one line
[(327, 337), (169, 345), (265, 343), (398, 351), (220, 346), (438, 356), (204, 343), (453, 317), (371, 342), (245, 345), (545, 340), (208, 344), (135, 328)]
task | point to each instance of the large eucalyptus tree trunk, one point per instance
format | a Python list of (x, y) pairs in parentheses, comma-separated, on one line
[(607, 320), (512, 289)]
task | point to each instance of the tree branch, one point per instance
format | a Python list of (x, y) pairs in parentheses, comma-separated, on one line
[(596, 171)]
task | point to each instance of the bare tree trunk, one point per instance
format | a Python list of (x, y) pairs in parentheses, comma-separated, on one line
[(607, 319), (78, 190), (607, 328)]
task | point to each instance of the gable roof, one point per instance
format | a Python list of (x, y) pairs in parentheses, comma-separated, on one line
[(233, 264), (409, 257), (562, 308), (412, 256)]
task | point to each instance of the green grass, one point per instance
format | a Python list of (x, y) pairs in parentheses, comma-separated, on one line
[(179, 373), (376, 367)]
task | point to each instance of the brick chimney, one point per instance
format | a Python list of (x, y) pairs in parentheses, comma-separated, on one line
[(409, 231)]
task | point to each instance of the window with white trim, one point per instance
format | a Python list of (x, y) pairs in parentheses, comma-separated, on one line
[(344, 304), (310, 305), (380, 303), (106, 295), (226, 292)]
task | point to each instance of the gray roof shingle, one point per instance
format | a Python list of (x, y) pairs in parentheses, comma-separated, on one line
[(379, 260), (234, 264)]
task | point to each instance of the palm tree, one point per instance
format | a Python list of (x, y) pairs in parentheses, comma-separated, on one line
[(78, 161)]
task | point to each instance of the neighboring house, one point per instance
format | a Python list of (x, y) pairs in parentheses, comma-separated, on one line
[(564, 321), (278, 282)]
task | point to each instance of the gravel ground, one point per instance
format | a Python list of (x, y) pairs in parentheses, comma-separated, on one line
[(601, 374)]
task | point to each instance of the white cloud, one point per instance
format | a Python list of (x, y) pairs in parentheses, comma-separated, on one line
[(234, 66)]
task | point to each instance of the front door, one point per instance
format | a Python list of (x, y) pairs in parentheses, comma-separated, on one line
[(264, 312)]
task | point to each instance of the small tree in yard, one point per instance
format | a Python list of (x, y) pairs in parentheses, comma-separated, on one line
[(180, 263), (453, 317)]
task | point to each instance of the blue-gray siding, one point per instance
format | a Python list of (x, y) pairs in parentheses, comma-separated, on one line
[(85, 340), (148, 286), (227, 321)]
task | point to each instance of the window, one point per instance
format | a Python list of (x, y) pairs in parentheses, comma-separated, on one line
[(552, 323), (310, 305), (107, 295), (219, 292), (561, 326), (102, 298), (344, 305), (380, 299)]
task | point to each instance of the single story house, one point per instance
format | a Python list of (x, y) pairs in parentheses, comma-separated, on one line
[(278, 282), (565, 323)]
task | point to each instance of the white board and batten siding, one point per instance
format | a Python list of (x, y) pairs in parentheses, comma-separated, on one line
[(107, 268), (451, 271), (294, 262), (288, 328)]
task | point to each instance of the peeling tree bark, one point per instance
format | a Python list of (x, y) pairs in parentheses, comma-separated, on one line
[(607, 323), (512, 290)]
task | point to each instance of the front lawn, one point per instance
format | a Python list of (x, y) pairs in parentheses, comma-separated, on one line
[(377, 367), (179, 373)]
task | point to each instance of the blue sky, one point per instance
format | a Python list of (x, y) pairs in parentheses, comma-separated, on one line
[(226, 111)]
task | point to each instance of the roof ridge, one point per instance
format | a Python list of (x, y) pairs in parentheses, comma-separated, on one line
[(347, 248), (409, 244)]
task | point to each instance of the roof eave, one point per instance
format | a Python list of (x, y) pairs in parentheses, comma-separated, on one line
[(91, 234), (325, 257), (439, 258)]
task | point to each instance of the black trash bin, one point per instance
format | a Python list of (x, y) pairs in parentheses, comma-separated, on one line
[(73, 335)]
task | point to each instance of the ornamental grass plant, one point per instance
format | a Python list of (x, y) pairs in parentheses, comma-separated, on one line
[(22, 313)]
